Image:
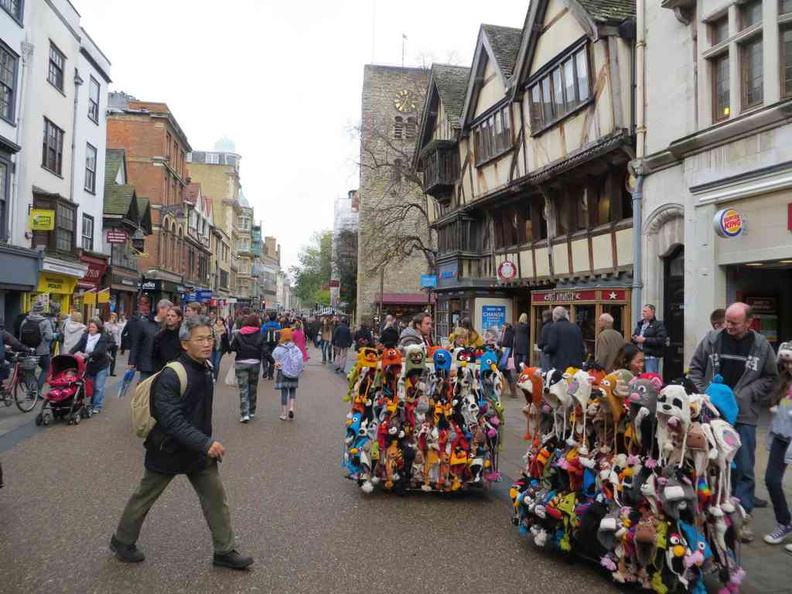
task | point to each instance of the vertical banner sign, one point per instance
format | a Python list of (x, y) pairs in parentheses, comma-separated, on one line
[(103, 296), (492, 316)]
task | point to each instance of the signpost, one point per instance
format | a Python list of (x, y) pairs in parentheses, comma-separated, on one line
[(428, 281)]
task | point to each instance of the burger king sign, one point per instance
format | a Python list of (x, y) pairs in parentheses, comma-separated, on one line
[(729, 223)]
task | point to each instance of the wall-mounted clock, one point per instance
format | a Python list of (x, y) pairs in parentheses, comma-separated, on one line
[(404, 101)]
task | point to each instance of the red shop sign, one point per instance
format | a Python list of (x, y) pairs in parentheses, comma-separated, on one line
[(117, 236), (93, 276)]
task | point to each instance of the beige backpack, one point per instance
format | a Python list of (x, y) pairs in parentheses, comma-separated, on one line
[(142, 421)]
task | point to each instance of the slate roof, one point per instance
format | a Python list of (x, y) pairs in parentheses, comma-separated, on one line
[(145, 214), (451, 83), (191, 192), (117, 199), (505, 43), (609, 10), (114, 160)]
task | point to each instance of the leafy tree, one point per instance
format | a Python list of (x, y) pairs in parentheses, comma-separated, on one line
[(313, 272)]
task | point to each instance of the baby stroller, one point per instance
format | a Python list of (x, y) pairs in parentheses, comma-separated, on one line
[(70, 392)]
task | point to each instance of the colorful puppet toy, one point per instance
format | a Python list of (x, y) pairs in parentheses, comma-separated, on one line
[(429, 421), (633, 475)]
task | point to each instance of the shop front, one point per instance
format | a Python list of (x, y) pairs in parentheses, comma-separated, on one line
[(123, 288), (585, 307), (402, 306), (20, 268), (86, 297), (56, 285), (163, 289)]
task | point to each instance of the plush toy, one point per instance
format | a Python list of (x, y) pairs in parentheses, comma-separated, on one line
[(579, 390), (530, 382), (722, 397), (673, 418), (727, 442)]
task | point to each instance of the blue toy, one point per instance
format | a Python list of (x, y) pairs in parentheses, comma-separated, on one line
[(722, 398)]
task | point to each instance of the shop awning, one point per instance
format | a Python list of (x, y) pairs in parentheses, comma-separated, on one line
[(404, 298)]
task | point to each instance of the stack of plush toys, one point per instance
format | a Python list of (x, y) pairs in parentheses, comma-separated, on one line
[(632, 474), (419, 420)]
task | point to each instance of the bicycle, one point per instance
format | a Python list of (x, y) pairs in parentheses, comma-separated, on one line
[(23, 386)]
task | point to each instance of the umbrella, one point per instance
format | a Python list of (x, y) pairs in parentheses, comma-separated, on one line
[(126, 382)]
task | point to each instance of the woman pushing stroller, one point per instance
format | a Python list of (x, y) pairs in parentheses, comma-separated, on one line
[(95, 344)]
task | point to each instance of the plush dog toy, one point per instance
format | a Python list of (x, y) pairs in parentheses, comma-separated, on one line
[(673, 418)]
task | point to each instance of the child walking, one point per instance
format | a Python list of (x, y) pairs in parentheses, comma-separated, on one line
[(289, 363), (778, 443)]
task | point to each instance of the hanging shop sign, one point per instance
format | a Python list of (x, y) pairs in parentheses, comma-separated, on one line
[(60, 284), (90, 297), (428, 281), (42, 220), (507, 271), (729, 223), (103, 296), (117, 236), (572, 296)]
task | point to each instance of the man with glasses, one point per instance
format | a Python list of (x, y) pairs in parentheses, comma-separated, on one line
[(181, 443), (747, 363)]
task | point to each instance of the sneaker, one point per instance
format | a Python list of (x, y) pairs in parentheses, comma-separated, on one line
[(283, 417), (746, 534), (291, 414), (96, 411), (126, 553), (252, 416), (778, 535), (233, 560), (788, 548), (244, 419), (759, 502)]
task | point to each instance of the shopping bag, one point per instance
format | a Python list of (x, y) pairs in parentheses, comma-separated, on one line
[(230, 378), (126, 381), (510, 364)]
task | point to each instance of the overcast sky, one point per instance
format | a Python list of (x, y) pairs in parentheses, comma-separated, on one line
[(282, 79)]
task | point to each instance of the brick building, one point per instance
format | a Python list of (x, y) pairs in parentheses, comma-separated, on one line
[(156, 150), (391, 108)]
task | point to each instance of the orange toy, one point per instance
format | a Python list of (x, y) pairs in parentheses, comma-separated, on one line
[(530, 382)]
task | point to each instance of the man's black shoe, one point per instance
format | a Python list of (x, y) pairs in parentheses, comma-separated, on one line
[(759, 502), (233, 560), (127, 553)]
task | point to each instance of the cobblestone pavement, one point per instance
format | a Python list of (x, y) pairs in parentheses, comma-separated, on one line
[(309, 529)]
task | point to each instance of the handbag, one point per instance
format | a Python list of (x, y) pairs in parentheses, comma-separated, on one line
[(510, 364), (230, 378)]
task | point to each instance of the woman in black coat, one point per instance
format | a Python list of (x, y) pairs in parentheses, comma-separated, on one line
[(522, 336), (166, 346), (94, 344)]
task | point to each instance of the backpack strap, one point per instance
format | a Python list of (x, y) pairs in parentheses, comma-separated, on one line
[(181, 372)]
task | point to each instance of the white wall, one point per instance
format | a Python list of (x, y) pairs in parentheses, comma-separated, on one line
[(87, 131)]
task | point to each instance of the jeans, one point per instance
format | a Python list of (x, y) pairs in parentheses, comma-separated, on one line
[(743, 480), (247, 378), (211, 494), (774, 476), (327, 349), (113, 352), (216, 357), (341, 354), (652, 365), (268, 364), (99, 386), (287, 394), (44, 363)]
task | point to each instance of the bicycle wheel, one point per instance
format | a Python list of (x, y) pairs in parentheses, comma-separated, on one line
[(26, 392)]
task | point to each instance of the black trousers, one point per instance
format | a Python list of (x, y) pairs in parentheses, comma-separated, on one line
[(113, 352), (268, 365)]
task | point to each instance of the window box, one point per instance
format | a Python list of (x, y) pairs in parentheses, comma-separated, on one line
[(440, 166)]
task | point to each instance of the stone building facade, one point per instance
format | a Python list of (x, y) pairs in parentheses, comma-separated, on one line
[(391, 107)]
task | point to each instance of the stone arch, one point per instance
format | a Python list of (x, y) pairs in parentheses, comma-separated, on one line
[(664, 231), (662, 215)]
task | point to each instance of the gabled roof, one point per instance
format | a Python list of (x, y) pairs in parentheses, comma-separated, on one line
[(144, 208), (118, 199), (192, 192), (500, 45), (596, 17), (114, 160), (447, 84), (505, 44)]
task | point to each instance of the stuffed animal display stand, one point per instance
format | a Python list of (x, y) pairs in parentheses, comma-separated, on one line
[(429, 421), (634, 475)]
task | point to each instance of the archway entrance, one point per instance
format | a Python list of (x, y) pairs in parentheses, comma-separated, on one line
[(674, 313)]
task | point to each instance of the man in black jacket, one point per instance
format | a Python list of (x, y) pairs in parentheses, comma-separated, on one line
[(342, 340), (564, 342), (650, 336), (181, 443), (141, 336)]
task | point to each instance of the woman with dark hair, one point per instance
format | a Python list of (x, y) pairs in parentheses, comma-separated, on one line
[(94, 344), (631, 358), (363, 337), (250, 345), (166, 346)]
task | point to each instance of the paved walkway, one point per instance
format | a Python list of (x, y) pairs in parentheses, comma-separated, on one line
[(309, 529)]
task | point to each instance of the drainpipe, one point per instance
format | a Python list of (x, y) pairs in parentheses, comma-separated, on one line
[(637, 167), (78, 81), (16, 201)]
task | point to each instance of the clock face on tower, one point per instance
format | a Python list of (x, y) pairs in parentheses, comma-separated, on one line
[(404, 101)]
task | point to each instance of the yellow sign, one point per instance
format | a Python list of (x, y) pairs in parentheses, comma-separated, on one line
[(42, 220), (56, 283), (90, 297), (103, 296)]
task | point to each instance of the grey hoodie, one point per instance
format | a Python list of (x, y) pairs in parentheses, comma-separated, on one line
[(46, 332), (71, 334), (756, 382), (410, 336)]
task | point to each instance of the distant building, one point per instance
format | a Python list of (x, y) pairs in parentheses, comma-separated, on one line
[(345, 241), (391, 109)]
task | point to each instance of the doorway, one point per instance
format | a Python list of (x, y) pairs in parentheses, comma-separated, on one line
[(674, 313)]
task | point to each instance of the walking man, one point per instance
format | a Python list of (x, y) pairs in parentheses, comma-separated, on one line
[(141, 335), (181, 443), (747, 363), (608, 343), (564, 342), (35, 332), (342, 340), (271, 331), (650, 336)]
